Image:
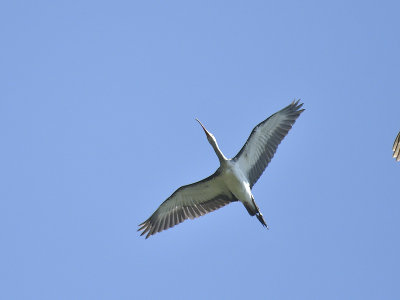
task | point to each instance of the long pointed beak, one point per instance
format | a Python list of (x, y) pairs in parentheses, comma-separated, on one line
[(205, 130)]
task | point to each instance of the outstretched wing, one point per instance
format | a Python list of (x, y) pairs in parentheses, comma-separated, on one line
[(188, 202), (396, 147), (263, 141)]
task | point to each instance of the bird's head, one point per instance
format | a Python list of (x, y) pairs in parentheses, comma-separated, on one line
[(210, 136)]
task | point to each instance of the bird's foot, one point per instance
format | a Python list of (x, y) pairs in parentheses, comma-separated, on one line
[(261, 219)]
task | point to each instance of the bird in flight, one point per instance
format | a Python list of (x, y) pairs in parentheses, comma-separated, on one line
[(232, 181), (396, 147)]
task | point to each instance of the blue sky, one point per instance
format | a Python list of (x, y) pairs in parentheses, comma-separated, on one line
[(98, 102)]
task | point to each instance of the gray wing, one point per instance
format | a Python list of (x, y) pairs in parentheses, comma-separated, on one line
[(188, 202), (263, 141), (396, 147)]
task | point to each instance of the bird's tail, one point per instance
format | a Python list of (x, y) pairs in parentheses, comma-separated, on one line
[(254, 210)]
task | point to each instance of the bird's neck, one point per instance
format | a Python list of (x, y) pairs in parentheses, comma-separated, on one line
[(219, 153)]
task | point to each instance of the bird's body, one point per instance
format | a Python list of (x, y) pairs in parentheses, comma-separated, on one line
[(232, 181), (236, 182)]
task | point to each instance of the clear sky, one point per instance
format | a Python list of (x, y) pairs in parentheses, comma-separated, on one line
[(98, 101)]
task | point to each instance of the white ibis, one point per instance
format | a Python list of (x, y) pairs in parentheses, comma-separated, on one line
[(232, 181), (396, 147)]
